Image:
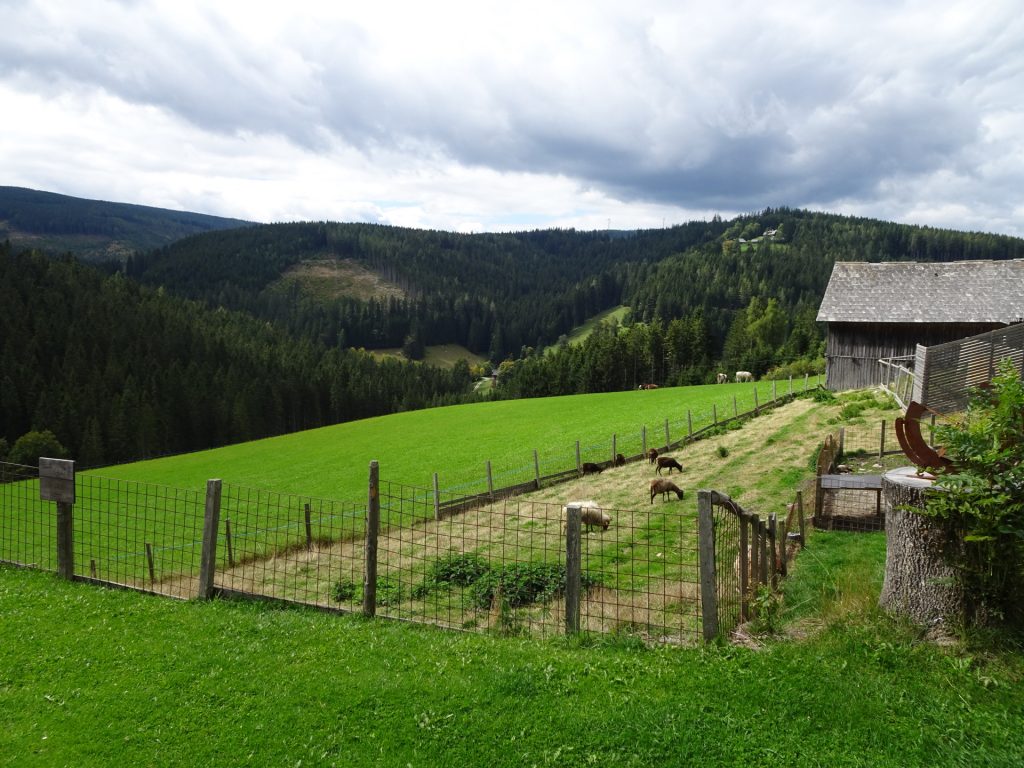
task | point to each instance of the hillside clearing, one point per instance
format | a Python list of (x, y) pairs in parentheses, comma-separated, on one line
[(328, 279)]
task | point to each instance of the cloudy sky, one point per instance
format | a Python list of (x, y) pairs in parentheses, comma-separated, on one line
[(484, 116)]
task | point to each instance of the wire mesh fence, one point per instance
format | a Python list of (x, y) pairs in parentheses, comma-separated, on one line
[(26, 523), (138, 535), (288, 547)]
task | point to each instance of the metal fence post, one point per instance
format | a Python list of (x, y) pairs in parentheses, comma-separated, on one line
[(706, 565), (573, 557), (211, 524), (372, 529), (437, 497)]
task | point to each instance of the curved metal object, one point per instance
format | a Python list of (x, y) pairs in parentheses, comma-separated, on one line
[(915, 447)]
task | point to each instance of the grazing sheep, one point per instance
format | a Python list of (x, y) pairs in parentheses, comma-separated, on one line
[(652, 454), (620, 460), (744, 376), (590, 515), (668, 461), (590, 468), (722, 378), (664, 487)]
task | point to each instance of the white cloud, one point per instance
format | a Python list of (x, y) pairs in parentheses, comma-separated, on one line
[(469, 115)]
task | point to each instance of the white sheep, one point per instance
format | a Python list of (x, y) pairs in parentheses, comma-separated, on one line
[(744, 376), (590, 515)]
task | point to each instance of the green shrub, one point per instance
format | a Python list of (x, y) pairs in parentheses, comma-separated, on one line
[(345, 590), (982, 499), (722, 451), (523, 584), (458, 569)]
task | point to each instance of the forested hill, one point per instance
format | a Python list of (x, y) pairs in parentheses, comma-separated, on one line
[(94, 230), (502, 294), (119, 371)]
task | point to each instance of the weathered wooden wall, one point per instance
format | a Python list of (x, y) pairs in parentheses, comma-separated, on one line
[(853, 349)]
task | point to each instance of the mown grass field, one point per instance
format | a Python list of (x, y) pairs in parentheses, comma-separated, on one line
[(94, 677), (455, 441)]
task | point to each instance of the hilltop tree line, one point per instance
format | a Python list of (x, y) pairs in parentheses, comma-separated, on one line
[(497, 294), (201, 343), (118, 371)]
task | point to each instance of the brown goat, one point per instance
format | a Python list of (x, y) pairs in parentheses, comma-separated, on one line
[(668, 461), (664, 487)]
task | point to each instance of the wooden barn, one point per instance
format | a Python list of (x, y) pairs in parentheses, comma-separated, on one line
[(885, 310)]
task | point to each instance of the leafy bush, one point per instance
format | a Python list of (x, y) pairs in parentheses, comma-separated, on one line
[(982, 501), (722, 451), (458, 569), (523, 583), (345, 590)]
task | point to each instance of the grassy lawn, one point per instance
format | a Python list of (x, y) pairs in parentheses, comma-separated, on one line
[(93, 677), (580, 333), (455, 441)]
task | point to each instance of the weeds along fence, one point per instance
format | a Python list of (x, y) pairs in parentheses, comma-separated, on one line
[(750, 554), (661, 573)]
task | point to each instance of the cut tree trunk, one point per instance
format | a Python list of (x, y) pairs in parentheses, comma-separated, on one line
[(919, 582)]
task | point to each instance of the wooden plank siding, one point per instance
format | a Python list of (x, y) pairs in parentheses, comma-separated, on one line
[(852, 350)]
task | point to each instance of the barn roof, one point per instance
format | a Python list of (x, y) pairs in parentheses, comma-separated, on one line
[(916, 292)]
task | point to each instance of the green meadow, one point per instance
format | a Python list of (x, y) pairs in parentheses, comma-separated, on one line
[(456, 442)]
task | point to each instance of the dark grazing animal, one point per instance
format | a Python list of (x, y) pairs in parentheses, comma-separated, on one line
[(590, 468), (668, 461), (664, 487), (620, 460), (652, 454)]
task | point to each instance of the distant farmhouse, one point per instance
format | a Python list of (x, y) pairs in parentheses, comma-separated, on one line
[(885, 310)]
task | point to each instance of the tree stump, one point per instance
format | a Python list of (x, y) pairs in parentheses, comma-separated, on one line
[(919, 582)]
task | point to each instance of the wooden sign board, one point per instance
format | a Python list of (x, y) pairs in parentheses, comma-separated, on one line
[(57, 480)]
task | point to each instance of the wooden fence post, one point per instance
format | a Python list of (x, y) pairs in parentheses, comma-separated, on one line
[(842, 440), (783, 545), (805, 381), (763, 533), (149, 561), (579, 467), (57, 484), (307, 514), (773, 530), (881, 442), (735, 408), (714, 413), (490, 481), (706, 565), (757, 406), (668, 439), (65, 541), (573, 558), (791, 384), (372, 529), (536, 469), (744, 568), (819, 500), (800, 517), (775, 390), (689, 424), (614, 449), (755, 553), (643, 439), (208, 556), (437, 498)]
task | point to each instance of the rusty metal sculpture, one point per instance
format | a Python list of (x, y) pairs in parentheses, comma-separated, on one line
[(915, 447)]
